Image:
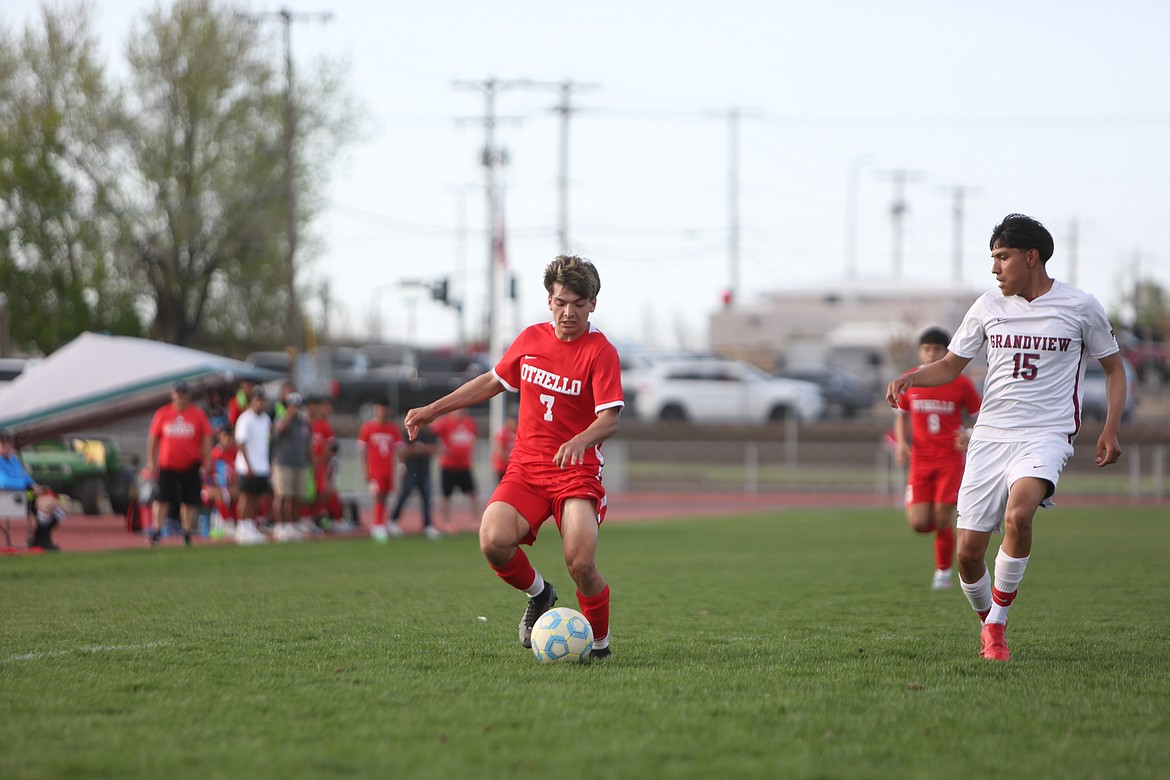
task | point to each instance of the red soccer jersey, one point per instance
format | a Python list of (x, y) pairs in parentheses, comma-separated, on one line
[(505, 442), (380, 442), (180, 436), (322, 435), (562, 386), (936, 414), (457, 441)]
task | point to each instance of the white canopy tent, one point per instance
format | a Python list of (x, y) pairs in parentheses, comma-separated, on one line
[(97, 379)]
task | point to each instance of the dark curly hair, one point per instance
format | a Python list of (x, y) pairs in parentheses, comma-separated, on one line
[(1018, 231)]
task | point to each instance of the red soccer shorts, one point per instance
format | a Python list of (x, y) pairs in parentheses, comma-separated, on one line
[(538, 491), (934, 481)]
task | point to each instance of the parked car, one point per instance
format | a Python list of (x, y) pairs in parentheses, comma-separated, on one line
[(719, 390), (85, 468), (1096, 405), (845, 393)]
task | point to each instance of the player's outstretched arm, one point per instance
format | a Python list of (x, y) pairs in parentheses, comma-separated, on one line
[(476, 391), (931, 375)]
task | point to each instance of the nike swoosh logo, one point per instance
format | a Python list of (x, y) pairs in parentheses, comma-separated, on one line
[(1001, 319), (530, 357), (1038, 467)]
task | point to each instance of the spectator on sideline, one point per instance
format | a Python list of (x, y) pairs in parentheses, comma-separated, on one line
[(239, 401), (457, 435), (14, 476), (417, 454), (328, 502), (178, 447), (502, 445), (378, 441), (292, 454), (253, 465)]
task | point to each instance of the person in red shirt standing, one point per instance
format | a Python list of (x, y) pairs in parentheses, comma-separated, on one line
[(502, 445), (378, 441), (179, 446), (568, 377), (328, 503), (239, 401), (457, 434), (937, 460)]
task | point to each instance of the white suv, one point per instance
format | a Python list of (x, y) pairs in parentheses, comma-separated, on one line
[(728, 391)]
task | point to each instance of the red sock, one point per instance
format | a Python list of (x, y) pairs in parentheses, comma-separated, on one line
[(944, 548), (596, 611), (379, 513), (517, 572)]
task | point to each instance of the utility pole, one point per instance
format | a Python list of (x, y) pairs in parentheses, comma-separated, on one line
[(1073, 250), (898, 209), (565, 109), (287, 17), (958, 194), (852, 185), (492, 158), (733, 116)]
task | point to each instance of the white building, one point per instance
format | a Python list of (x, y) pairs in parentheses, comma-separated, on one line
[(870, 329)]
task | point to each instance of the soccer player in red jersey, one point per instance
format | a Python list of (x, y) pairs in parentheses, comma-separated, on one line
[(569, 380), (457, 434), (503, 443), (936, 463), (328, 503), (177, 449), (378, 441)]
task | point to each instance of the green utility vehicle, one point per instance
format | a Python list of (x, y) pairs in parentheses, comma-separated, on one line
[(85, 468)]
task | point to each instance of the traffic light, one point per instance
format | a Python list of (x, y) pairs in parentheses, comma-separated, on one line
[(439, 291)]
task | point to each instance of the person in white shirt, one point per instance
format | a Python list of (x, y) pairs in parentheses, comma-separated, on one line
[(1039, 333), (253, 438)]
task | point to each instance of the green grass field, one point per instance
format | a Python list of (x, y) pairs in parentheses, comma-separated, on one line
[(803, 644)]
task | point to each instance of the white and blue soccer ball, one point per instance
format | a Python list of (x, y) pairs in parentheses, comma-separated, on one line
[(562, 634)]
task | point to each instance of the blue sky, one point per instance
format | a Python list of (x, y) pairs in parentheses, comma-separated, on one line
[(1055, 109)]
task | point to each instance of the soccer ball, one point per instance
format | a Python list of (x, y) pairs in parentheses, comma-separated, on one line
[(562, 634)]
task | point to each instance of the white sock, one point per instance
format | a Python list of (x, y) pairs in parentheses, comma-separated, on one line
[(537, 586), (978, 593), (1008, 573)]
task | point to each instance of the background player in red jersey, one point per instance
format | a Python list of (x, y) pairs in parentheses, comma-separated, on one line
[(178, 452), (457, 434), (378, 442), (502, 445), (569, 380), (936, 461)]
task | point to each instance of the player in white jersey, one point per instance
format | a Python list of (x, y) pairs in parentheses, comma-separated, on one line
[(1039, 333)]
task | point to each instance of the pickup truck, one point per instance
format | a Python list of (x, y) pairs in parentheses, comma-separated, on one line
[(85, 468)]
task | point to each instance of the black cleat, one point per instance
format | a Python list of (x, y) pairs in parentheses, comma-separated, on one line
[(537, 606), (186, 538), (600, 653), (156, 538)]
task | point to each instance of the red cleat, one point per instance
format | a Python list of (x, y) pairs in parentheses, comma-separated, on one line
[(994, 645)]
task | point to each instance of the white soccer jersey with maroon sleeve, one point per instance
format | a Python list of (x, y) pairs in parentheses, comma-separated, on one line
[(1036, 357)]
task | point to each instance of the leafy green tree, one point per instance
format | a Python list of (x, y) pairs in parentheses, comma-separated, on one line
[(59, 264), (160, 205)]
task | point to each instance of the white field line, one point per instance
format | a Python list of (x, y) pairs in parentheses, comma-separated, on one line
[(80, 650)]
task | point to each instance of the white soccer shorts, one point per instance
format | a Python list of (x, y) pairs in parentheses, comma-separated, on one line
[(992, 468)]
